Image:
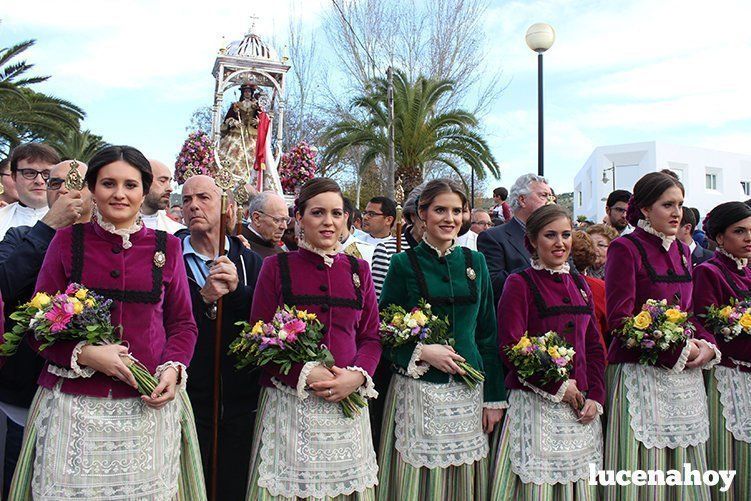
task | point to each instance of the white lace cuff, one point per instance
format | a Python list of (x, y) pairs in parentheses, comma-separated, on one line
[(302, 381), (182, 373), (717, 355), (600, 410), (367, 390), (558, 397), (681, 363), (495, 405), (416, 369), (76, 370)]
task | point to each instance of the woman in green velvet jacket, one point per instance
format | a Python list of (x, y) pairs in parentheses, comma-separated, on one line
[(434, 444)]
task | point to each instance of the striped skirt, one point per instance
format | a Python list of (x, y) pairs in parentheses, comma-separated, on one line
[(624, 452), (190, 482), (400, 481), (256, 493), (724, 452)]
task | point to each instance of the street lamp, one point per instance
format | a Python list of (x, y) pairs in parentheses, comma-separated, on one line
[(540, 37), (605, 176)]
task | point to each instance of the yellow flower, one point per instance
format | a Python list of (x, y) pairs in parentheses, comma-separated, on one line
[(642, 320), (420, 318), (302, 314), (397, 320), (523, 343), (745, 320), (40, 300), (725, 312), (553, 352), (90, 303), (257, 329), (81, 293), (310, 316), (77, 306), (674, 315)]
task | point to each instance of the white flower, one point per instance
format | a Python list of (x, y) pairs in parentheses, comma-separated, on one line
[(427, 306), (282, 334), (411, 323)]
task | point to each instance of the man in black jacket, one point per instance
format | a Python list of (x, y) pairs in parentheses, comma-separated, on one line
[(685, 234), (503, 246), (21, 255), (231, 277)]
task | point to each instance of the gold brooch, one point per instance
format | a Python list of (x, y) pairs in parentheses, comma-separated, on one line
[(471, 274), (683, 257), (584, 295), (159, 259), (356, 280)]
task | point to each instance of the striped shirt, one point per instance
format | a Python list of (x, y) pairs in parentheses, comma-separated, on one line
[(382, 258)]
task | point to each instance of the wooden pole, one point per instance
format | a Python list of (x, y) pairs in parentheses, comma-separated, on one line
[(398, 228)]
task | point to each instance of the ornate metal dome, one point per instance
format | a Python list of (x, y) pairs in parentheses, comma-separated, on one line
[(251, 46)]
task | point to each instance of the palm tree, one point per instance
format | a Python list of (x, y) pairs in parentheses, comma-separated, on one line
[(425, 134), (27, 115), (78, 144)]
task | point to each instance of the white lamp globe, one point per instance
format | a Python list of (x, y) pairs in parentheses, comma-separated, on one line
[(540, 37)]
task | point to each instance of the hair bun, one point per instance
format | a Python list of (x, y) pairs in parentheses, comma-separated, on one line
[(633, 213)]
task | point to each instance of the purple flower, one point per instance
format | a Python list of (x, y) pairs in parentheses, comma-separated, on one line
[(647, 343)]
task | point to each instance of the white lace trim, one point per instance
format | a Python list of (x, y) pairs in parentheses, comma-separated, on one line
[(181, 369), (717, 355), (558, 397), (740, 262), (310, 449), (328, 260), (104, 448), (438, 425), (367, 390), (448, 251), (124, 233), (416, 368), (495, 405), (600, 410), (548, 445), (734, 387), (76, 370), (565, 268), (667, 408), (667, 241), (302, 381), (680, 364)]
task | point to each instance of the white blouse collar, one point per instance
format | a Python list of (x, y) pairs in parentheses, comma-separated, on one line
[(453, 246), (565, 268), (666, 240), (328, 260), (124, 233), (740, 262)]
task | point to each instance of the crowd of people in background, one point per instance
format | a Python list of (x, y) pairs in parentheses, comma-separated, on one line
[(76, 427)]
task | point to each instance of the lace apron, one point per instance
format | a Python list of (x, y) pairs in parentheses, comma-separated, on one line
[(667, 408), (438, 425), (547, 444), (311, 449), (735, 395), (105, 449)]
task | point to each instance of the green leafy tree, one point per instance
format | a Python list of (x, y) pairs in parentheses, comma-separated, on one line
[(27, 115), (427, 133), (78, 144)]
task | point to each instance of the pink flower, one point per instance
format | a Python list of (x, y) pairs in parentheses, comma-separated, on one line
[(72, 288), (560, 362), (60, 315), (295, 327)]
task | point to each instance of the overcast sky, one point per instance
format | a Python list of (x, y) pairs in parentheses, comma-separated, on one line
[(619, 72)]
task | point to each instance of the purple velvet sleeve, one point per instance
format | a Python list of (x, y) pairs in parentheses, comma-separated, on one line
[(368, 336)]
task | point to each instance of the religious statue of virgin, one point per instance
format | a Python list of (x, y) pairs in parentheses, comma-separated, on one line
[(239, 132)]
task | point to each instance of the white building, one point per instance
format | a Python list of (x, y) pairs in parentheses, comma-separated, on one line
[(709, 176)]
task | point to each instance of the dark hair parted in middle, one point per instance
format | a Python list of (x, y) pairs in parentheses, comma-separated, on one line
[(724, 216), (127, 154), (315, 187), (438, 187), (647, 191), (540, 219)]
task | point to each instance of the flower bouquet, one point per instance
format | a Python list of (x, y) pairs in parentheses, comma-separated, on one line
[(420, 326), (729, 321), (296, 167), (195, 157), (74, 315), (292, 337), (656, 329), (548, 357)]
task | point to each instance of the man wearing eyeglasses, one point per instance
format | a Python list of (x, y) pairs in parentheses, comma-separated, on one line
[(480, 220), (378, 218), (22, 252), (615, 211), (30, 166), (268, 217)]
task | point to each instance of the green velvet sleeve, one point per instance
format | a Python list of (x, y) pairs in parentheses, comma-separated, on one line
[(394, 291), (486, 337)]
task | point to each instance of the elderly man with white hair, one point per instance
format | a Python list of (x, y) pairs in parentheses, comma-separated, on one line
[(153, 211), (503, 246), (268, 217)]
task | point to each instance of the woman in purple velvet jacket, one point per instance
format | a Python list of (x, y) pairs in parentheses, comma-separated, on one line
[(724, 277), (304, 446), (657, 415), (552, 431), (90, 435)]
